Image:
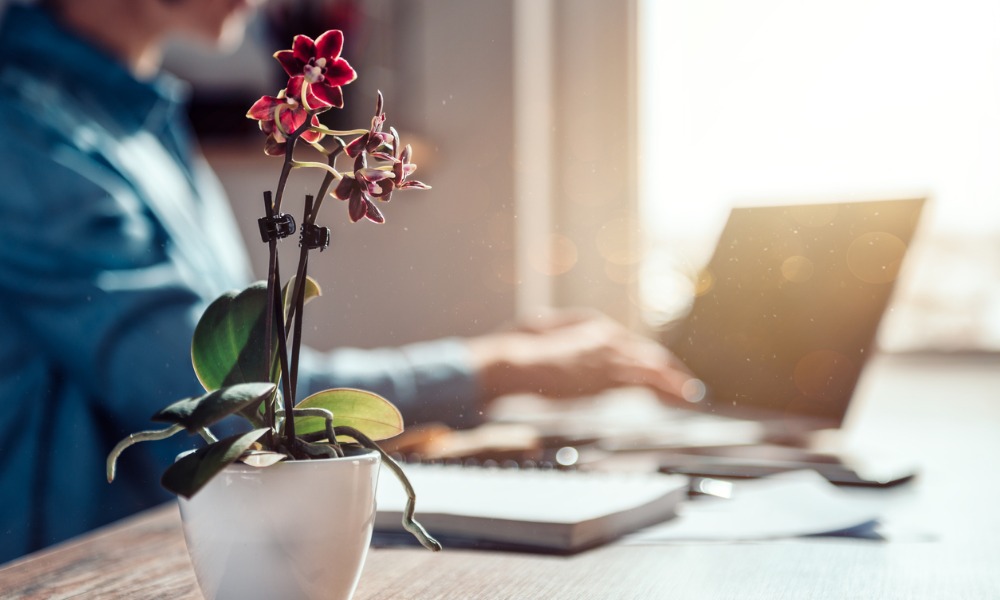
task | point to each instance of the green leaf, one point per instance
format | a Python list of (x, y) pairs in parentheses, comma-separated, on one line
[(228, 345), (202, 411), (190, 473), (367, 412), (312, 290)]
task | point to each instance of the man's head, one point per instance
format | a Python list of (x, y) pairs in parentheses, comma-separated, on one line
[(135, 30), (217, 22)]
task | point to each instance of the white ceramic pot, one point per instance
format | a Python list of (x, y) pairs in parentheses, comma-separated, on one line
[(297, 529)]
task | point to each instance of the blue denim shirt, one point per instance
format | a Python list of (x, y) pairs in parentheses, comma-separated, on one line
[(114, 236)]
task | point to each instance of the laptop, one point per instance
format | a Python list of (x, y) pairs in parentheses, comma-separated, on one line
[(787, 310)]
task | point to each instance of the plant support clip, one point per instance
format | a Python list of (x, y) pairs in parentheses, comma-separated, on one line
[(314, 236), (276, 227)]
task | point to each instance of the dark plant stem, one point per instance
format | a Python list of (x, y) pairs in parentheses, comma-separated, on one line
[(298, 296), (289, 399), (286, 168), (289, 365), (324, 188), (310, 216), (272, 264), (275, 304)]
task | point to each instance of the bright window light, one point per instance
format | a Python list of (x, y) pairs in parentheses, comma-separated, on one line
[(789, 100)]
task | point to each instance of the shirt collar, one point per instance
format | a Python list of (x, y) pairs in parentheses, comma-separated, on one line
[(33, 40)]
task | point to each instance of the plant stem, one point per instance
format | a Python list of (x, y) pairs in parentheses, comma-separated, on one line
[(298, 296), (288, 400), (272, 280), (324, 188), (139, 436), (317, 165), (409, 523), (286, 168), (275, 305), (335, 132)]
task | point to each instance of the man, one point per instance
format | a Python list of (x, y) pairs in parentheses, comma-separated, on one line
[(115, 236)]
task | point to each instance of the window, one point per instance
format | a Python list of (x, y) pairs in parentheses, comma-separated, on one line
[(784, 100)]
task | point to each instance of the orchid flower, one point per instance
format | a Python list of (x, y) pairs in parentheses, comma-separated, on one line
[(278, 117), (375, 142), (316, 69), (359, 187), (401, 169)]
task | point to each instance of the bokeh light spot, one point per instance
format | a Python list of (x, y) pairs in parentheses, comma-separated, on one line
[(560, 257), (875, 257), (567, 456), (797, 269), (704, 283), (693, 390), (617, 241)]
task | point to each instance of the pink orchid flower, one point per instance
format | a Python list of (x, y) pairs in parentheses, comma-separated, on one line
[(401, 169), (317, 67), (278, 117), (359, 188), (375, 142)]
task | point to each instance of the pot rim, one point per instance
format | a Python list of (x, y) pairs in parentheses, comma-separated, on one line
[(355, 454)]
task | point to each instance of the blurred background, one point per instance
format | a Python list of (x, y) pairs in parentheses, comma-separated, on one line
[(586, 152)]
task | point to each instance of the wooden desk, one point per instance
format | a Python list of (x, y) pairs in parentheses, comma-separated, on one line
[(942, 530)]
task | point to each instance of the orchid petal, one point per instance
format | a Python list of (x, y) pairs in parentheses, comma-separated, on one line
[(291, 119), (292, 65), (385, 190), (344, 188), (373, 213), (402, 170), (326, 95), (395, 136), (312, 99), (339, 72), (356, 210), (361, 162), (312, 136), (370, 180), (303, 48), (373, 175), (263, 109), (356, 146), (330, 44), (272, 147), (294, 87), (414, 184)]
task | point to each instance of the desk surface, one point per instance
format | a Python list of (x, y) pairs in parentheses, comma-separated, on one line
[(941, 529)]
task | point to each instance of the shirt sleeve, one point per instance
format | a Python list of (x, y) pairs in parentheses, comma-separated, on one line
[(428, 381)]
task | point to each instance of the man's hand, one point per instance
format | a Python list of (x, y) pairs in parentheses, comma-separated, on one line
[(574, 353)]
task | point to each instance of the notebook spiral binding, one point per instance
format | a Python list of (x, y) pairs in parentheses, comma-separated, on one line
[(489, 463)]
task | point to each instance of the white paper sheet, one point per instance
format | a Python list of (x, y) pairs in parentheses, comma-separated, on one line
[(791, 504)]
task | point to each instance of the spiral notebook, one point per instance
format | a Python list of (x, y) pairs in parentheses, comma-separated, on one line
[(528, 509)]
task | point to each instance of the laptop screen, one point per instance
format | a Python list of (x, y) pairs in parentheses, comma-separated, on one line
[(788, 307)]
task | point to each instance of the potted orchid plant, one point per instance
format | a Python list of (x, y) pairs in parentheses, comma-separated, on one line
[(286, 509)]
